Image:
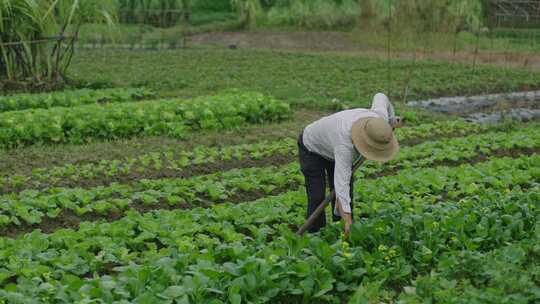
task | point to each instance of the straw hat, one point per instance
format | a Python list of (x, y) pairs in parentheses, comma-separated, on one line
[(374, 139)]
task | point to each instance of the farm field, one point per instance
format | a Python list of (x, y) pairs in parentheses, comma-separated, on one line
[(150, 153), (158, 192), (292, 76)]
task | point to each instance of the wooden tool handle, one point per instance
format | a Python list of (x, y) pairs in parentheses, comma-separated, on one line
[(329, 198)]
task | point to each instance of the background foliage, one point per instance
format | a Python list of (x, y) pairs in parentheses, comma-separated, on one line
[(158, 24), (32, 32)]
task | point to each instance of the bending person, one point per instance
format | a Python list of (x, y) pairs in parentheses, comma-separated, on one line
[(329, 146)]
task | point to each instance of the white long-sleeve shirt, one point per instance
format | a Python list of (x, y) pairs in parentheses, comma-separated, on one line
[(331, 138)]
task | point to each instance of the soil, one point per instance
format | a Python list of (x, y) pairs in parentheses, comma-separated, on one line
[(68, 219)]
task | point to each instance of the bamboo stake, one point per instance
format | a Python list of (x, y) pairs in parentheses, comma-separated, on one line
[(409, 75), (42, 40), (389, 63)]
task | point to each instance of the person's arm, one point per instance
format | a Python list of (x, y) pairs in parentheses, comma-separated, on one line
[(342, 178), (382, 106)]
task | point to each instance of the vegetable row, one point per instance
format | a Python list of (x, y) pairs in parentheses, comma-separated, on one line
[(455, 127), (247, 252), (459, 148), (72, 98), (161, 117), (174, 161), (31, 206)]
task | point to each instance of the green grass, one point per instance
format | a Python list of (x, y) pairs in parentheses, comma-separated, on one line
[(312, 14), (302, 79), (148, 36), (205, 18), (498, 40), (521, 41)]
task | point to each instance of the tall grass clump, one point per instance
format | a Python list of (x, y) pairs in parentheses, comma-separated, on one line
[(402, 24), (37, 37), (163, 13), (247, 10), (313, 14), (424, 16)]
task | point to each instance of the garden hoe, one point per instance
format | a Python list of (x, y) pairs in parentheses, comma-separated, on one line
[(331, 197)]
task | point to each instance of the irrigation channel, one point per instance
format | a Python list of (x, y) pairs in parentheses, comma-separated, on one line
[(492, 108)]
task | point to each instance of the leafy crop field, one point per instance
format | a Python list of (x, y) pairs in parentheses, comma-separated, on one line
[(115, 120), (298, 78), (71, 98), (455, 218)]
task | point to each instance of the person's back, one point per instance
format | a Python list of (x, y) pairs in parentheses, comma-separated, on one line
[(325, 134)]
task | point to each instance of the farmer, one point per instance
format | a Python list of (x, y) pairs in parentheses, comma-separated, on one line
[(329, 146)]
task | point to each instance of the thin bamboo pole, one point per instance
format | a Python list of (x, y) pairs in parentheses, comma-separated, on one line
[(388, 46), (409, 75), (37, 41)]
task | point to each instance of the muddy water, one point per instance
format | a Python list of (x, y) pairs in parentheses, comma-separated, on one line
[(462, 105), (492, 108), (521, 114)]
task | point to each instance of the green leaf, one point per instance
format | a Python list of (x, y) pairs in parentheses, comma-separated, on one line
[(173, 292)]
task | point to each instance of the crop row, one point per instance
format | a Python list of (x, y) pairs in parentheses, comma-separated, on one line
[(168, 162), (180, 163), (247, 252), (72, 98), (31, 206), (435, 130), (456, 149), (161, 117)]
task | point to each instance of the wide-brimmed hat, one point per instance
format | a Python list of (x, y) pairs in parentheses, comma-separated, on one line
[(374, 139)]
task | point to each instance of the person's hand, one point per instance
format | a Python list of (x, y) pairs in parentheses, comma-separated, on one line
[(347, 220), (347, 229), (397, 122)]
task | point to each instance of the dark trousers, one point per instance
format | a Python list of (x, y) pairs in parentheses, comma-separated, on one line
[(318, 171)]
